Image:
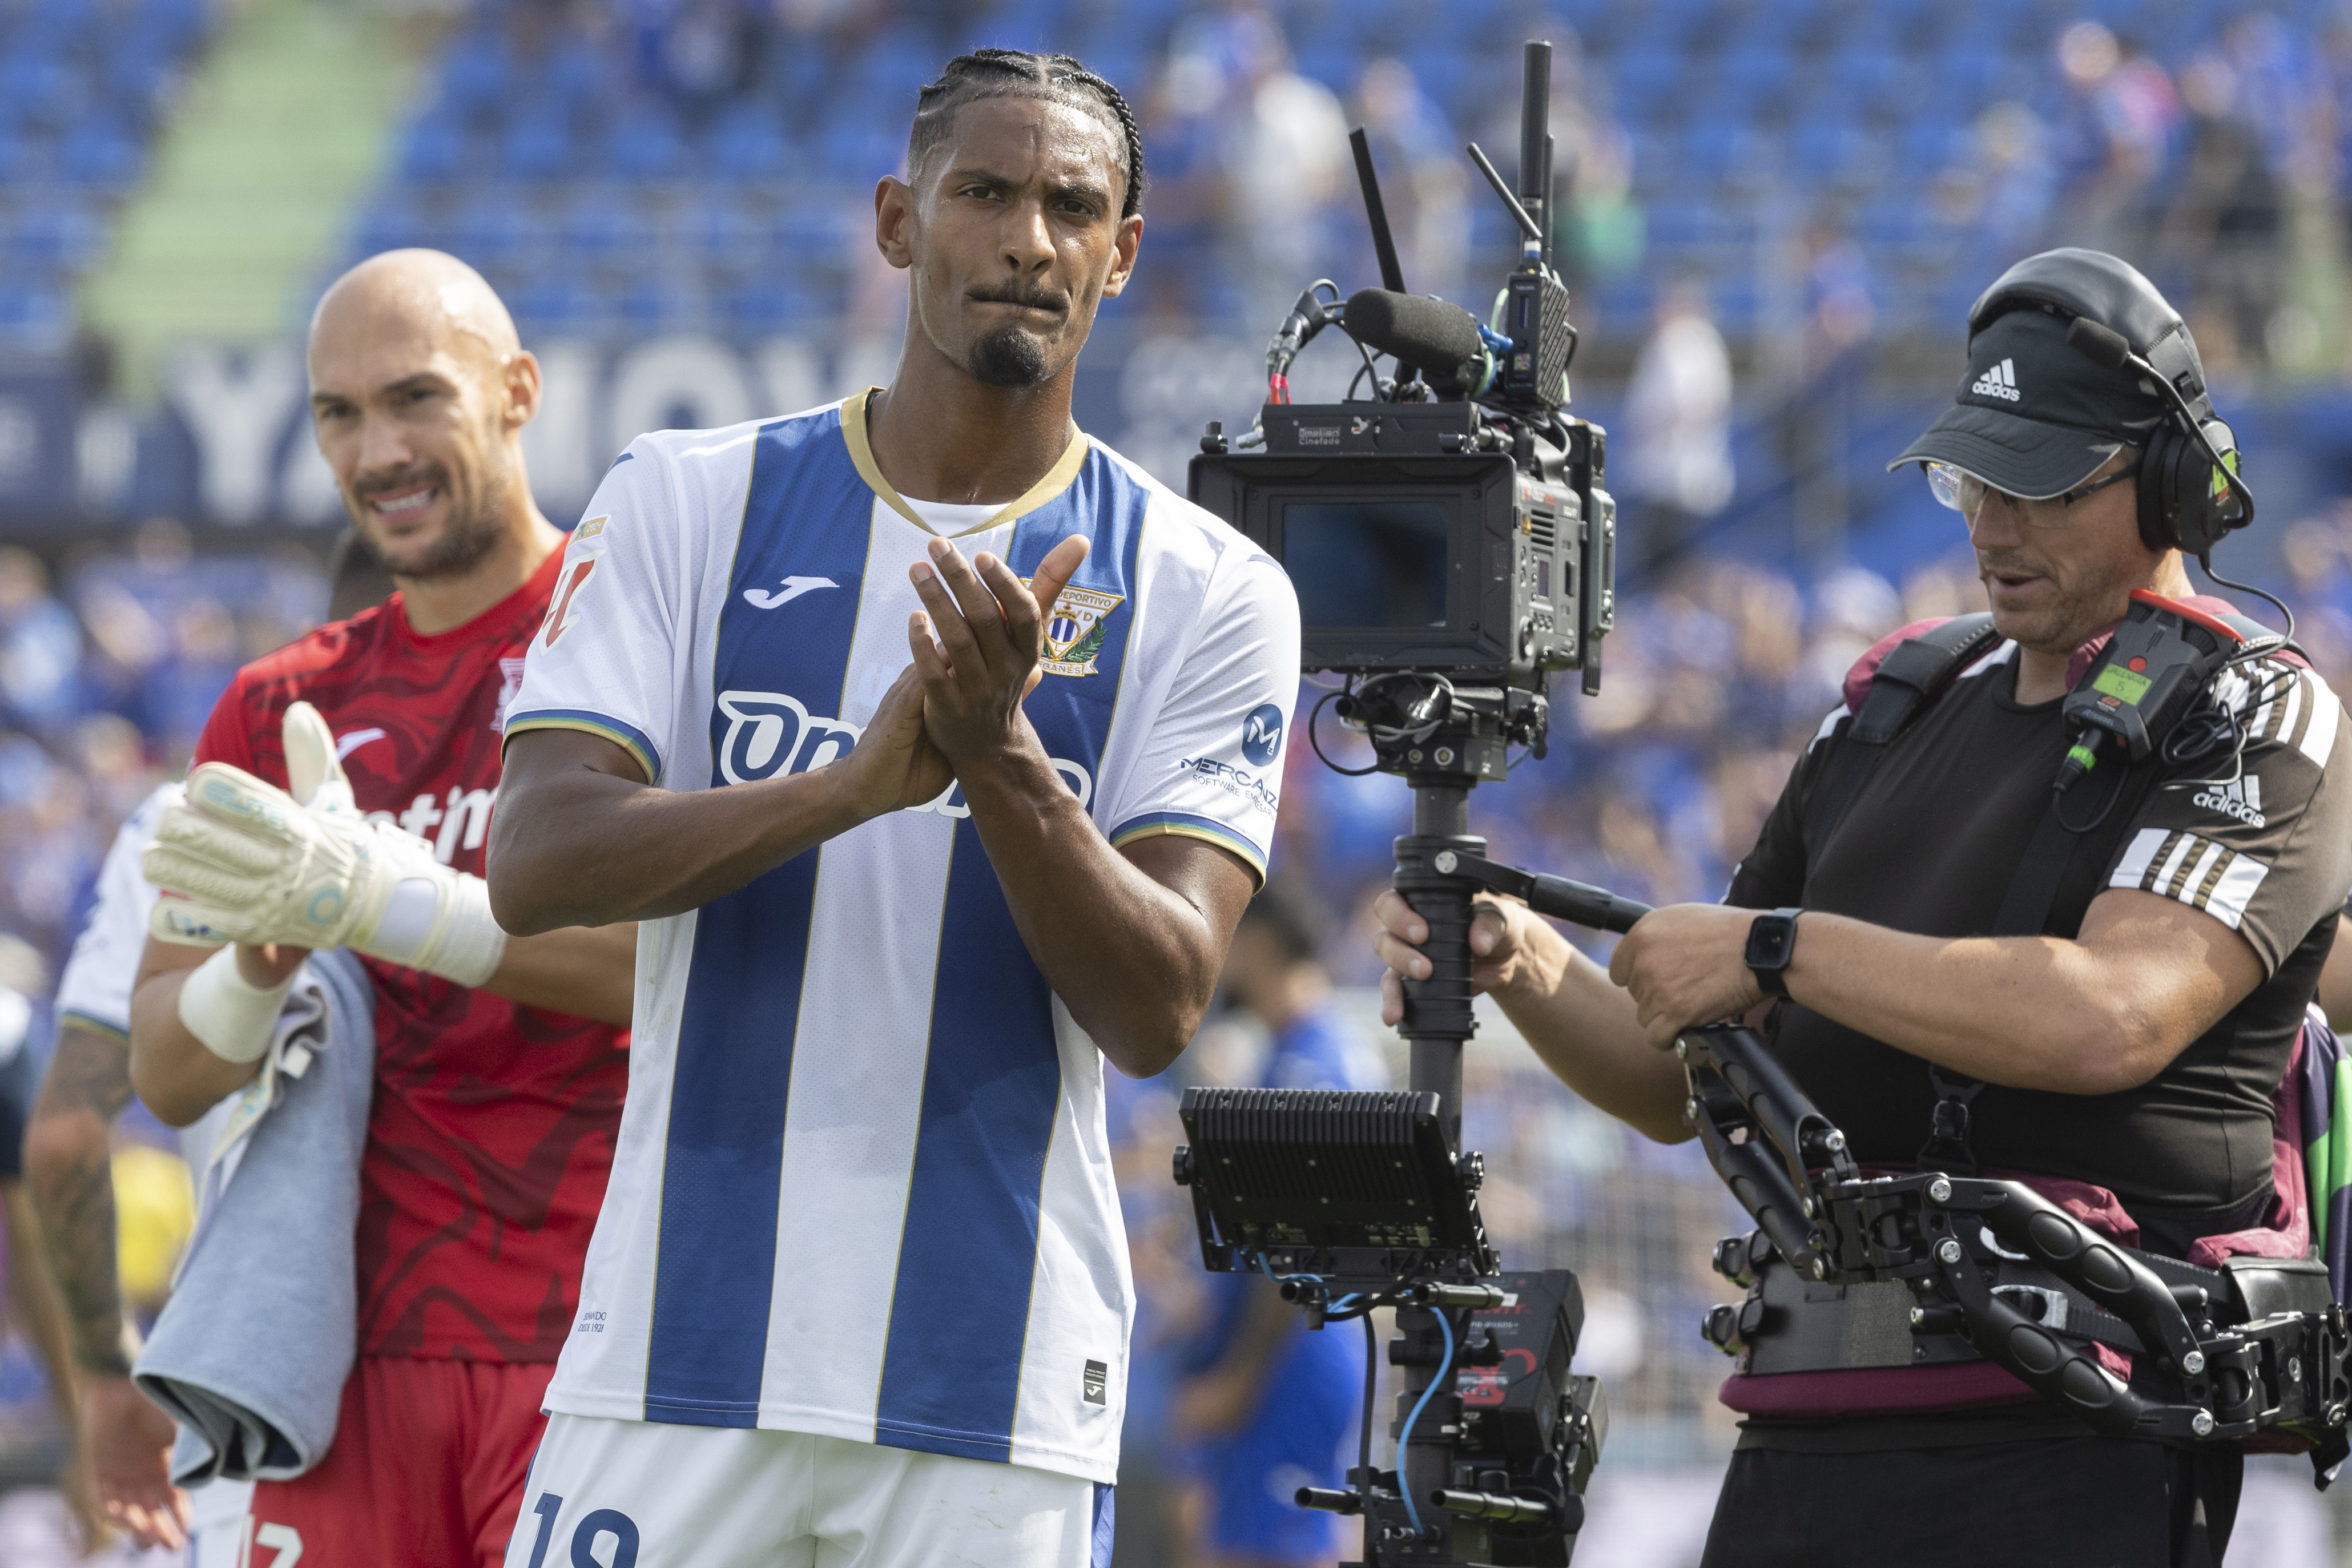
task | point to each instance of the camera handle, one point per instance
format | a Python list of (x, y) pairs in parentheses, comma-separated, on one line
[(1441, 868)]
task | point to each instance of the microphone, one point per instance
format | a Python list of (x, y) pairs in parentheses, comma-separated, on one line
[(2099, 344), (1297, 330), (1443, 338), (2103, 345)]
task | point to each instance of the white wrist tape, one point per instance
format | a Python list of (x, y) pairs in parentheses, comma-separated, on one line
[(233, 1018), (250, 864), (440, 924)]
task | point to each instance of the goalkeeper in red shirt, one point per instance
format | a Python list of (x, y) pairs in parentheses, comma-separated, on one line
[(342, 796)]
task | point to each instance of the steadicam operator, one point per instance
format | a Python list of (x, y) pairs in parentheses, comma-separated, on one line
[(2129, 1040)]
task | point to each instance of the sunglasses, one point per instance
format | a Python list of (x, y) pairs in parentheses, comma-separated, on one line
[(1965, 494)]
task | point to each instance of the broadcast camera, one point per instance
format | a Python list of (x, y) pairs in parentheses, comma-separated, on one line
[(1450, 538), (1452, 546)]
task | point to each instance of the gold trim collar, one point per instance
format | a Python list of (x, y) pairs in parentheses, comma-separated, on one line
[(861, 452)]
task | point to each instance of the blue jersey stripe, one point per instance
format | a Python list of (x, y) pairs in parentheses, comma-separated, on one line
[(808, 513), (968, 1254)]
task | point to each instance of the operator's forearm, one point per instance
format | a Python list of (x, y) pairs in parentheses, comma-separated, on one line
[(587, 971), (41, 1311), (2030, 1012), (1582, 1025), (69, 1163), (579, 847), (1134, 961), (175, 1074)]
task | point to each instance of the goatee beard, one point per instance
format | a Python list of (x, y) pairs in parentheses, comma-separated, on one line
[(1008, 357), (472, 533)]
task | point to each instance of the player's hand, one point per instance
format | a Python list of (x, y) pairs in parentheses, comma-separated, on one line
[(893, 766), (989, 633), (1687, 964), (253, 865), (126, 1449), (1503, 940)]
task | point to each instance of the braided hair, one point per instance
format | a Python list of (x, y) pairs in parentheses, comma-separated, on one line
[(1015, 73)]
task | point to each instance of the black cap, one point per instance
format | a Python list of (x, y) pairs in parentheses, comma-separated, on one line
[(2034, 416)]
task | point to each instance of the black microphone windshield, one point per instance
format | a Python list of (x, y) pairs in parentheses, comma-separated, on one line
[(2098, 342), (1440, 337)]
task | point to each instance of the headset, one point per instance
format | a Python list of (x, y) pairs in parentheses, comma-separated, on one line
[(2191, 494)]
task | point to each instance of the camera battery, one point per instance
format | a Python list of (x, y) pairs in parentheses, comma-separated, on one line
[(1511, 1403)]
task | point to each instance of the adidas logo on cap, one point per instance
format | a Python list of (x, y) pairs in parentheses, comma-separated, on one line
[(1999, 382)]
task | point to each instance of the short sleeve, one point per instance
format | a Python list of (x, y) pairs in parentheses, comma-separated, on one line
[(94, 991), (1773, 877), (1211, 766), (228, 734), (601, 661), (2265, 846)]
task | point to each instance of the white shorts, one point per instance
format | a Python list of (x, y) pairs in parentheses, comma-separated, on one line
[(640, 1494)]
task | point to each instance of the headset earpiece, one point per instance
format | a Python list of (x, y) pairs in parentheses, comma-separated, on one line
[(2184, 504)]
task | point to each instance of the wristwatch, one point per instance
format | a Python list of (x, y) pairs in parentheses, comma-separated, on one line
[(1772, 943)]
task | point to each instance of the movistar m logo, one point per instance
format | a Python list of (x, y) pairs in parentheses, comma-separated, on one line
[(2242, 798), (1999, 382)]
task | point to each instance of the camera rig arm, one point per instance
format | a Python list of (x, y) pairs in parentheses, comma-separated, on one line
[(2227, 1353)]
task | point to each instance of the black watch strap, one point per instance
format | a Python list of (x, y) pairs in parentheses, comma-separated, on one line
[(1772, 943)]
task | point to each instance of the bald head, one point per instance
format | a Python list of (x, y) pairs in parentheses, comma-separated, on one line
[(428, 293), (419, 391)]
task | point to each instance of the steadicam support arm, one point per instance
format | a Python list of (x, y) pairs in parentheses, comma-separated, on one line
[(2225, 1353)]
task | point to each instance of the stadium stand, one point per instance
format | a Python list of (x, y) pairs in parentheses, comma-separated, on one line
[(83, 90)]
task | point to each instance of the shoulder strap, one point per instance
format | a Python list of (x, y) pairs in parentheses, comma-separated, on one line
[(1914, 673)]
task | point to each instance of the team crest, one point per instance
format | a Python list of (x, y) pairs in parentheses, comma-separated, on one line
[(1078, 631)]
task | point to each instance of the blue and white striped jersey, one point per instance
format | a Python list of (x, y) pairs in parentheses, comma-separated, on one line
[(863, 1187)]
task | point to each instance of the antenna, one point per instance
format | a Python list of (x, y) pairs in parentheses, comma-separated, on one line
[(1527, 226), (1534, 128), (1383, 244), (1550, 228)]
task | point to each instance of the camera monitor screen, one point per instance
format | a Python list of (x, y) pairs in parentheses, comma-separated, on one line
[(1367, 562), (1400, 563)]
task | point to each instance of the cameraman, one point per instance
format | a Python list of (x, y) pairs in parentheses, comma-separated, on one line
[(2133, 1046)]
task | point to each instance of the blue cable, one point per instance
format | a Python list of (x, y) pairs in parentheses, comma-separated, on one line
[(1404, 1488)]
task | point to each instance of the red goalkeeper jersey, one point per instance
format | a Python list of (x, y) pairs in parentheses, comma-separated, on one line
[(491, 1132)]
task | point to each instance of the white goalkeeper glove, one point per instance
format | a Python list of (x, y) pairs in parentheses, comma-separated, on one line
[(256, 863)]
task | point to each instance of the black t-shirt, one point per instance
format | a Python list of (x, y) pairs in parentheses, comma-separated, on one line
[(1930, 846)]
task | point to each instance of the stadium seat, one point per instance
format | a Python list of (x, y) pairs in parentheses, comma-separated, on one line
[(434, 151), (644, 143), (599, 226), (553, 304), (748, 143), (104, 158), (391, 223), (477, 73), (536, 145), (33, 315), (54, 233)]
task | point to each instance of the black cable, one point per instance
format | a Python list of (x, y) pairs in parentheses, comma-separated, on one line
[(2114, 794), (1364, 1434), (2206, 562), (1339, 319), (1317, 712)]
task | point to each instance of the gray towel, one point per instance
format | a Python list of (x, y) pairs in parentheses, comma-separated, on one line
[(253, 1349)]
